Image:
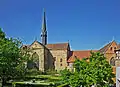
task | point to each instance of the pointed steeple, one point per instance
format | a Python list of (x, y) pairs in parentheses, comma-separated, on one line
[(44, 21), (44, 31)]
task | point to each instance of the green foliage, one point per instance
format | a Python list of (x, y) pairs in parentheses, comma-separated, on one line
[(11, 59), (101, 70), (90, 71), (2, 34), (51, 72), (32, 72), (63, 85), (65, 75)]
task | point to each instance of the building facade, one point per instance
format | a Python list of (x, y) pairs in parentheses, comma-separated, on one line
[(59, 56)]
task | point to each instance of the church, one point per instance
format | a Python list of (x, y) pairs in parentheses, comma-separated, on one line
[(59, 56)]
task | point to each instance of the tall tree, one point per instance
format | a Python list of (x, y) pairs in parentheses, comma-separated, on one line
[(10, 57)]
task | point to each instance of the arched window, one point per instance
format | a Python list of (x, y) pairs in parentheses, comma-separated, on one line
[(35, 58), (111, 48), (112, 61), (114, 48)]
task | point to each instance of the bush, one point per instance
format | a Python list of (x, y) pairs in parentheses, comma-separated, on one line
[(51, 72), (63, 85), (32, 72)]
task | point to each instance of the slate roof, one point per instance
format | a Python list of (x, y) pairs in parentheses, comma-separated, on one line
[(79, 54), (58, 46)]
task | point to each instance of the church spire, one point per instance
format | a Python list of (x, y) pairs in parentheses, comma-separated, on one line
[(44, 31)]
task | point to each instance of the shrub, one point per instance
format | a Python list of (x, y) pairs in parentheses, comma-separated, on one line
[(32, 72)]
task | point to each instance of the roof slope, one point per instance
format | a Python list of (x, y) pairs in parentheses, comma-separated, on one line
[(80, 54), (58, 46), (105, 48)]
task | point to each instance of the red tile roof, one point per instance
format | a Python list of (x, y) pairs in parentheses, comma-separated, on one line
[(58, 46), (79, 54)]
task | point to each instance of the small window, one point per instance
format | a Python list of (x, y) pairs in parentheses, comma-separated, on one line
[(114, 48), (61, 60), (54, 58), (67, 64), (112, 61), (60, 64), (111, 48), (35, 45), (25, 47), (53, 63)]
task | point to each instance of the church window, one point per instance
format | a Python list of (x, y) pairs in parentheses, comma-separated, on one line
[(60, 64), (35, 59), (112, 61), (61, 60)]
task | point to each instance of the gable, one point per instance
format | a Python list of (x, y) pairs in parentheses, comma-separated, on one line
[(36, 44), (112, 48), (109, 48)]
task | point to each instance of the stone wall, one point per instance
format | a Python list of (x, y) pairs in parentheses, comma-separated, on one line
[(60, 57), (49, 62)]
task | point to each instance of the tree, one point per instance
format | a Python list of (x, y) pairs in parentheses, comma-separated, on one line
[(11, 58), (65, 75), (81, 75), (101, 69), (94, 70)]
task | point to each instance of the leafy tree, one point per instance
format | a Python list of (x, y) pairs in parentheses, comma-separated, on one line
[(101, 70), (11, 58), (94, 70), (65, 75)]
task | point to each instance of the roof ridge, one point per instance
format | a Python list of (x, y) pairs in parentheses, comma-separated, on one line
[(58, 43), (107, 46)]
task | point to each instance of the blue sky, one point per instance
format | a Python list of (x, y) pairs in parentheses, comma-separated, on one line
[(87, 24)]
